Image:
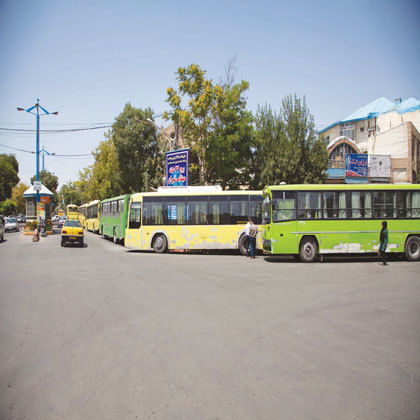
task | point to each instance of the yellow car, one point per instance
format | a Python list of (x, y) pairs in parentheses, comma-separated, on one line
[(72, 231)]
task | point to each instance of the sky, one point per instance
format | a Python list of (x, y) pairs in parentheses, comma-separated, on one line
[(87, 59)]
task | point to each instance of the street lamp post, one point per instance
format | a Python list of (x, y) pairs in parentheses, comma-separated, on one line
[(37, 106), (45, 152)]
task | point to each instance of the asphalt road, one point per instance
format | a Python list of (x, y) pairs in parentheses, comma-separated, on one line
[(103, 333)]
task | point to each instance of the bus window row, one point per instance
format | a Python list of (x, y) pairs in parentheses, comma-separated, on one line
[(92, 212), (199, 210), (289, 205), (112, 208)]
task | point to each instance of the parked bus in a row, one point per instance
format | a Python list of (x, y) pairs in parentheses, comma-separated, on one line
[(307, 220), (92, 216), (191, 218), (72, 212), (82, 215), (113, 217)]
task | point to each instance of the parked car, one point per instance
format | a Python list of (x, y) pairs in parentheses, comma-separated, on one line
[(62, 221), (20, 217), (11, 224), (55, 219), (72, 231)]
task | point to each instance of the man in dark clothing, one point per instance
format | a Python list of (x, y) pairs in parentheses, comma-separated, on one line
[(383, 239), (253, 232)]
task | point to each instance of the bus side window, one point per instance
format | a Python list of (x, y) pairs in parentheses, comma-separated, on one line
[(309, 205), (134, 221)]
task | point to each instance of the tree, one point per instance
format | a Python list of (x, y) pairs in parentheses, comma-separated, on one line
[(287, 146), (215, 124), (70, 194), (8, 208), (9, 169), (229, 152), (105, 177), (136, 145), (17, 197)]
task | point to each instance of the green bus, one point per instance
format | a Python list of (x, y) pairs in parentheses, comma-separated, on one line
[(113, 217), (308, 220)]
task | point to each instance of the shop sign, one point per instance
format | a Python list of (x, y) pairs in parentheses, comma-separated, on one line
[(356, 165), (177, 168)]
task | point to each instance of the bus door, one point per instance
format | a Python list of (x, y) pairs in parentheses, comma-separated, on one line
[(132, 232)]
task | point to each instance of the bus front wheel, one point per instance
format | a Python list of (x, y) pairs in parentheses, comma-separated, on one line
[(160, 244), (308, 251), (412, 248)]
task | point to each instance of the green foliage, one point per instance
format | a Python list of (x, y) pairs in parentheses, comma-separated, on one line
[(8, 208), (9, 169), (287, 146), (17, 197), (70, 194), (136, 144), (216, 127)]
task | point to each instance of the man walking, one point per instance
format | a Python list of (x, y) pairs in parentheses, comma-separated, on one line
[(253, 232)]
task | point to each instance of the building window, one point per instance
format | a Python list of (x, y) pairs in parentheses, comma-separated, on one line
[(347, 130)]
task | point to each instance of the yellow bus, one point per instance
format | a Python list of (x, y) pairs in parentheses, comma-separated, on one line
[(82, 215), (60, 212), (191, 218), (92, 216), (72, 212)]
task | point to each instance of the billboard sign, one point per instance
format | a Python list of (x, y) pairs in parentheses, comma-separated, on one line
[(356, 165), (177, 168), (40, 210)]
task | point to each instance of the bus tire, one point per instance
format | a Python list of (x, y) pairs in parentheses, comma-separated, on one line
[(115, 237), (242, 245), (160, 244), (412, 248), (308, 251)]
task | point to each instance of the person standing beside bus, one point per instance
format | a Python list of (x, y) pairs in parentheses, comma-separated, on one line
[(253, 232), (247, 237), (383, 239)]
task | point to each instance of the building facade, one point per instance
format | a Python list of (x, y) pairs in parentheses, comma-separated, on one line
[(387, 131)]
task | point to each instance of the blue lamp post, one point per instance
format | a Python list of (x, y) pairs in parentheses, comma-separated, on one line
[(37, 106)]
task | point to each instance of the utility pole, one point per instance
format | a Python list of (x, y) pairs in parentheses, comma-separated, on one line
[(37, 106), (44, 152)]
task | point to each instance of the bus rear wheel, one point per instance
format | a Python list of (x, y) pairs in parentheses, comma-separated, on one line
[(412, 248), (160, 244), (308, 251), (115, 237), (243, 245)]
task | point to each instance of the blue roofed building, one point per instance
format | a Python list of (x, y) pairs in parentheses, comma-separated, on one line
[(388, 131)]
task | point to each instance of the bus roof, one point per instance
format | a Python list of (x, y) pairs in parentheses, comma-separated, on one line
[(171, 193), (119, 197), (334, 187), (92, 203)]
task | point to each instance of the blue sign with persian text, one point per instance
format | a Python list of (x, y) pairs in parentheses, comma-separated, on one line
[(356, 165), (177, 168)]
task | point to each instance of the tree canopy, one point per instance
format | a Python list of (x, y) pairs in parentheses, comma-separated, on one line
[(287, 147), (136, 144), (215, 124), (9, 169), (17, 196)]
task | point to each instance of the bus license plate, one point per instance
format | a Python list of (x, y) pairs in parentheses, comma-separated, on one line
[(72, 237)]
